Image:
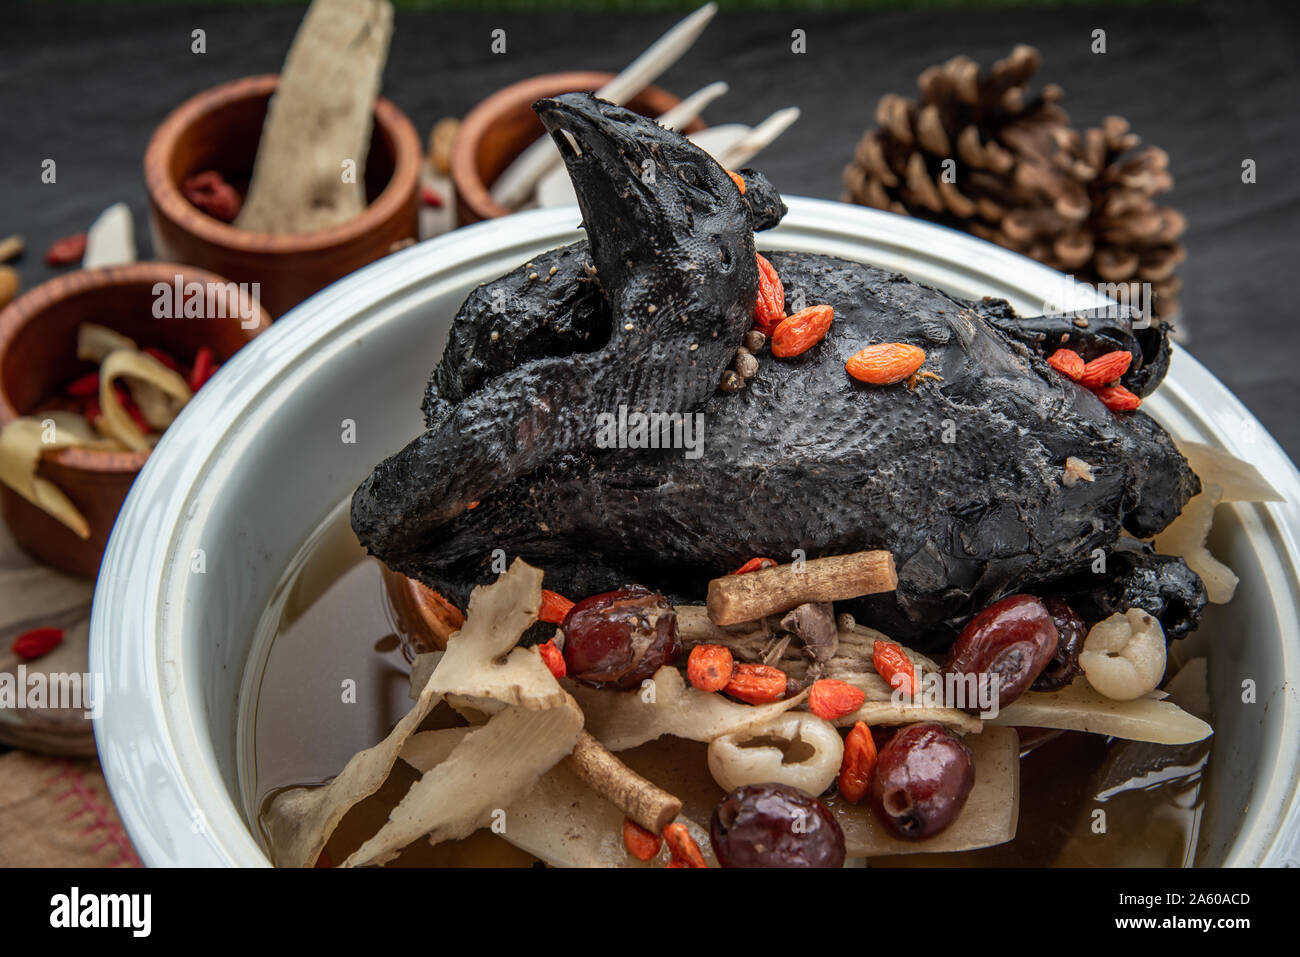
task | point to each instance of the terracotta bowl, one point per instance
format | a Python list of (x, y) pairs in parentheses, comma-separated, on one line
[(220, 129), (38, 357), (502, 126)]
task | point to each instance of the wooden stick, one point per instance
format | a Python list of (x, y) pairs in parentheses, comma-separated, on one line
[(738, 598), (644, 802)]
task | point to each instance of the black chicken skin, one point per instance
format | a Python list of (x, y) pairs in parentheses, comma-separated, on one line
[(962, 478)]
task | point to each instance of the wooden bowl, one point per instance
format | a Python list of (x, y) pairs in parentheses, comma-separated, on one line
[(220, 129), (502, 126), (38, 357)]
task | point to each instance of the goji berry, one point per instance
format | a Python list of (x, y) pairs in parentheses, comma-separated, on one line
[(710, 667), (84, 386), (858, 763), (892, 664), (162, 357), (1067, 362), (738, 180), (683, 847), (798, 333), (640, 843), (1118, 399), (431, 197), (66, 251), (554, 658), (831, 699), (769, 309), (1105, 369), (755, 564), (37, 642), (756, 684), (131, 409), (204, 368), (885, 363), (554, 607)]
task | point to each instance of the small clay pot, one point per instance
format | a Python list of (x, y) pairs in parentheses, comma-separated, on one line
[(219, 129), (501, 127), (38, 358)]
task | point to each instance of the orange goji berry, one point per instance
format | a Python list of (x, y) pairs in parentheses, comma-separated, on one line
[(885, 363), (769, 308), (37, 642), (683, 847), (66, 251), (709, 667), (831, 699), (1105, 369), (756, 684), (554, 607), (892, 664), (738, 180), (554, 658), (798, 333), (1067, 362), (859, 761), (755, 564), (1118, 399), (640, 843)]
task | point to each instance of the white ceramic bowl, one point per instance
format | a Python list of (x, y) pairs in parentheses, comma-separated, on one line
[(255, 464)]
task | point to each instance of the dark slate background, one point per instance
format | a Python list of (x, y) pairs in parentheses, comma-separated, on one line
[(1212, 83)]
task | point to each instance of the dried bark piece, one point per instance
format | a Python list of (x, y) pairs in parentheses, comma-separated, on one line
[(320, 118)]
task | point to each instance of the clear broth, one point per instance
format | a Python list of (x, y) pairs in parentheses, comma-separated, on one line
[(327, 679)]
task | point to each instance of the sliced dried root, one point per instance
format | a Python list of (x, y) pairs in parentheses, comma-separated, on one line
[(23, 440), (989, 817), (484, 768), (666, 704), (1239, 480), (1080, 707), (490, 768), (1186, 537), (796, 748), (170, 394)]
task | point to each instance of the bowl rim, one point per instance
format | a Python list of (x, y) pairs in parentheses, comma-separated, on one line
[(31, 305), (470, 188), (153, 756), (169, 202)]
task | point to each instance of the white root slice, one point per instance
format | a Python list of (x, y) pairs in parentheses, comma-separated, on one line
[(95, 342), (796, 748), (300, 821), (666, 704), (1186, 537), (472, 667), (1123, 656), (489, 769), (1240, 481), (131, 365), (989, 817), (1079, 707), (21, 443), (888, 713), (565, 823)]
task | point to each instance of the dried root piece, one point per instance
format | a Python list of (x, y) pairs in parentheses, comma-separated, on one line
[(1186, 537), (1080, 707), (22, 442), (533, 726), (490, 768), (169, 394), (737, 598), (1240, 481)]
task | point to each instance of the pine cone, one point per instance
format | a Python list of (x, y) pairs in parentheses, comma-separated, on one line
[(977, 152)]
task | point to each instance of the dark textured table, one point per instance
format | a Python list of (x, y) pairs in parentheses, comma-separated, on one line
[(1213, 84)]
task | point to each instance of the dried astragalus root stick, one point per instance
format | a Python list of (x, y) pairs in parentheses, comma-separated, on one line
[(736, 598)]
